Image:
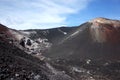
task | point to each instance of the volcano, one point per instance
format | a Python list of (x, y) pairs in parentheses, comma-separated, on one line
[(97, 39), (90, 51)]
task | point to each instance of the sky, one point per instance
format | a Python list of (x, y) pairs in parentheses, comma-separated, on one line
[(44, 14)]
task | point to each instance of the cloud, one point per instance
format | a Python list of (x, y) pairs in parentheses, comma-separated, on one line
[(41, 14)]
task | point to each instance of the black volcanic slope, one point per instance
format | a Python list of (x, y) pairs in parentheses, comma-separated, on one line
[(90, 51), (17, 65), (71, 43), (83, 56), (80, 45), (54, 35)]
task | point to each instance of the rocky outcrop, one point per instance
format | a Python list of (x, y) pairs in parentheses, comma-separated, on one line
[(105, 30), (17, 62)]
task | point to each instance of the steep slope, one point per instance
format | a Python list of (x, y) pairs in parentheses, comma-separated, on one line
[(106, 30), (17, 64), (91, 52), (87, 52), (23, 42), (97, 39)]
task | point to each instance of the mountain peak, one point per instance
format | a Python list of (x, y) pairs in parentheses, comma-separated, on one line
[(102, 20), (105, 30)]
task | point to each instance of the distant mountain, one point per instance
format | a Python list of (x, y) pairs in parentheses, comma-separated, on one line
[(54, 35), (90, 51)]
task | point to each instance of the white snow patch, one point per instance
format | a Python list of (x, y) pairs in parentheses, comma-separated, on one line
[(74, 33), (62, 31), (88, 61), (80, 70), (65, 33), (71, 36)]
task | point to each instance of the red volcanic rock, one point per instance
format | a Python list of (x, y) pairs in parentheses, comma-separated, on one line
[(3, 28), (105, 30), (6, 33)]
